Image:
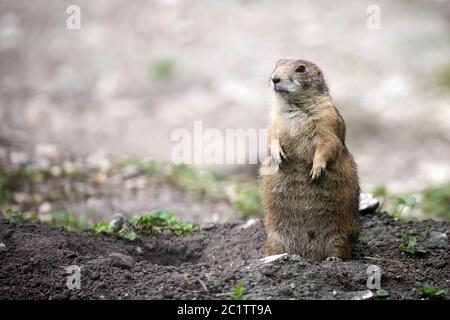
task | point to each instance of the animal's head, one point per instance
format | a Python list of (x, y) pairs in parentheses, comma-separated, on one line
[(298, 79)]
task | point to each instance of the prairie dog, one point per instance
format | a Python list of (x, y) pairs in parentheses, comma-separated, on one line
[(309, 183)]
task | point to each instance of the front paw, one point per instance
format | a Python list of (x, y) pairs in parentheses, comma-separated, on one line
[(317, 170)]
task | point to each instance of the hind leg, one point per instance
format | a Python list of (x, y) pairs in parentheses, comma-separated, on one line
[(273, 245), (338, 250)]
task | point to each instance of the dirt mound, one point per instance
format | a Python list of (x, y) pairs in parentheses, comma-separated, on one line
[(209, 264)]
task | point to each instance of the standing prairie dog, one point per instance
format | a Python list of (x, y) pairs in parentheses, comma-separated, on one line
[(310, 182)]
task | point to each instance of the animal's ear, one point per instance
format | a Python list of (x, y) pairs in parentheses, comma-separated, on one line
[(281, 62)]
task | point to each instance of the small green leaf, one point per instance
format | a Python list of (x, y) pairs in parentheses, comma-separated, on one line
[(428, 291), (410, 246), (407, 202), (15, 216), (238, 291), (130, 235), (382, 293), (102, 228)]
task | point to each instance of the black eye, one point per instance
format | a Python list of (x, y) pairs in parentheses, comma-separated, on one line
[(301, 69)]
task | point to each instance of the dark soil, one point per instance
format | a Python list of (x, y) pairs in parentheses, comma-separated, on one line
[(208, 264)]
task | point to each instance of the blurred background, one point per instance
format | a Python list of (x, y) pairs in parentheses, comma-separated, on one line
[(108, 96)]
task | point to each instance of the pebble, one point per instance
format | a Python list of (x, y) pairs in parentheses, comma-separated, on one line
[(363, 295), (117, 222), (273, 258), (249, 223), (45, 207), (285, 292), (59, 296), (121, 260), (368, 203), (437, 240)]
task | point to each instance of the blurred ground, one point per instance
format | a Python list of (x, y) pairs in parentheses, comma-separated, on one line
[(138, 70)]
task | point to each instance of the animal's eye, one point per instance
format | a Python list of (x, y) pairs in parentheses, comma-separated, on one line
[(301, 69)]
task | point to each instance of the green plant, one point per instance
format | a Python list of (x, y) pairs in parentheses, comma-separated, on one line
[(162, 69), (410, 246), (151, 222), (382, 293), (238, 292), (430, 292), (14, 216), (161, 220), (9, 182), (248, 200), (105, 228), (403, 204), (439, 81), (68, 220), (140, 166), (13, 179), (380, 191), (198, 183), (436, 200)]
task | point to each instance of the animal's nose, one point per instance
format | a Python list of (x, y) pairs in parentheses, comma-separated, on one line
[(275, 80)]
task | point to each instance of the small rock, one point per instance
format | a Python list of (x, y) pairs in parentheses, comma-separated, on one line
[(267, 271), (150, 246), (368, 203), (2, 247), (437, 240), (273, 258), (285, 292), (363, 295), (45, 207), (59, 296), (121, 260), (118, 222), (208, 226), (248, 224)]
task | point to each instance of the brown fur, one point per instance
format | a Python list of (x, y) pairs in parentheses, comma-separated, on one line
[(309, 183)]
